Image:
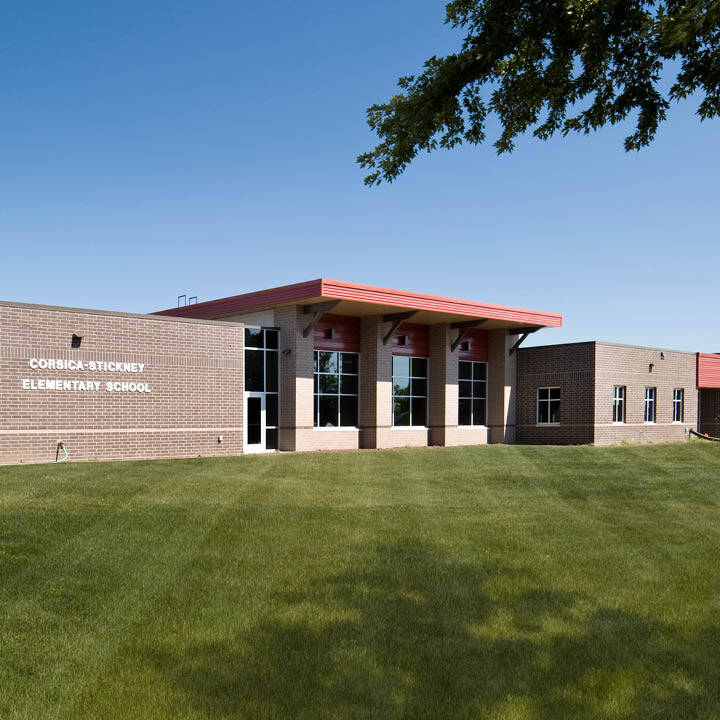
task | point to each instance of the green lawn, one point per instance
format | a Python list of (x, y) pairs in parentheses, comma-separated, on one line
[(492, 582)]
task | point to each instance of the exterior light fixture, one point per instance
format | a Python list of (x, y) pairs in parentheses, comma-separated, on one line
[(76, 341)]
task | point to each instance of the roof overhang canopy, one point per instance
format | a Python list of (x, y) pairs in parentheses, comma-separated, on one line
[(361, 300)]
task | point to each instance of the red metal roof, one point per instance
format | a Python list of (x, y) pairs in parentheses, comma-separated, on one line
[(708, 370), (323, 289)]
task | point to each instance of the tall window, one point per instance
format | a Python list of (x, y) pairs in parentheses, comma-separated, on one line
[(650, 404), (409, 390), (336, 389), (678, 405), (548, 405), (261, 375), (619, 404), (472, 390)]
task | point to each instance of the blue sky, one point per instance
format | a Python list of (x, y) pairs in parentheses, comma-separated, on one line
[(149, 149)]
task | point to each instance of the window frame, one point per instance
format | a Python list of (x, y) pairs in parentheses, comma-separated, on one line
[(317, 394), (473, 398), (650, 402), (265, 350), (678, 401), (619, 399), (410, 394), (549, 400)]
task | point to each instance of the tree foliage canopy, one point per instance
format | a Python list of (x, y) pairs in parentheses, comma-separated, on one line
[(550, 65)]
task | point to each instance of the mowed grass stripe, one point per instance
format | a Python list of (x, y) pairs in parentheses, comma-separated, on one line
[(468, 582)]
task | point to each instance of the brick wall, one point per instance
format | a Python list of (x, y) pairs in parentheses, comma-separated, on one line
[(194, 370), (569, 367), (709, 413), (631, 366)]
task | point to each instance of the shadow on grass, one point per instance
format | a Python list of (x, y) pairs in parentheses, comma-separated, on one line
[(413, 634)]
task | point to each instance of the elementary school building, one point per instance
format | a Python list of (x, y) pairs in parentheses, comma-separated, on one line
[(324, 365)]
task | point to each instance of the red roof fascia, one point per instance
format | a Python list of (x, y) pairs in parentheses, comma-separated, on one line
[(336, 290), (248, 302), (708, 370), (435, 303)]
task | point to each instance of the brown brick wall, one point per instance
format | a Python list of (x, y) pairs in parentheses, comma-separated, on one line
[(194, 370), (630, 366), (569, 367), (586, 374), (709, 413)]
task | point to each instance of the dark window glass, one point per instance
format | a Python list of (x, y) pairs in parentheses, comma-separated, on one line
[(543, 394), (554, 393), (400, 366), (543, 412), (271, 339), (328, 384), (554, 411), (271, 371), (328, 362), (419, 367), (418, 387), (401, 386), (332, 409), (465, 412), (271, 410), (315, 411), (328, 410), (271, 439), (254, 420), (401, 411), (254, 371), (409, 391), (348, 411), (479, 412), (253, 337), (349, 363), (472, 393), (349, 384), (419, 411)]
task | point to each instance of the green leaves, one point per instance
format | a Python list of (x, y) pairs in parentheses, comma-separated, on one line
[(571, 66)]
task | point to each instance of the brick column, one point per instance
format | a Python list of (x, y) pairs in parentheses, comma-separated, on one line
[(375, 379), (502, 378), (296, 380), (443, 405)]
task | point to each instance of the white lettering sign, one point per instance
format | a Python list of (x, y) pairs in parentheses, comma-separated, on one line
[(76, 385), (91, 365)]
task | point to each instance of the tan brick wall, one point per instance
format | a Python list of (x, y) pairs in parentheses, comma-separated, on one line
[(194, 370), (569, 367), (630, 366), (709, 412)]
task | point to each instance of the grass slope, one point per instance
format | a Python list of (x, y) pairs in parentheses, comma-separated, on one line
[(493, 582)]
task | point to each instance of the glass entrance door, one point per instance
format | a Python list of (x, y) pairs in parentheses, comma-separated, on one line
[(255, 422)]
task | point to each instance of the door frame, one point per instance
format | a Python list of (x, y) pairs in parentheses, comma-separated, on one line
[(261, 446)]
